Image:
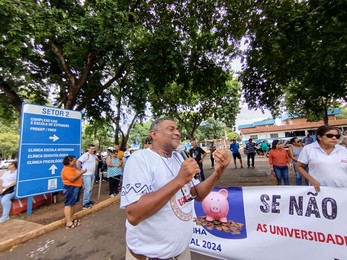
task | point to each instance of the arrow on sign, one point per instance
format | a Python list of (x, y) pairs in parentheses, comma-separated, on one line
[(53, 168), (54, 138)]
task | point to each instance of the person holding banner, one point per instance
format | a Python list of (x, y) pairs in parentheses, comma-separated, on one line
[(279, 161), (326, 160), (158, 192)]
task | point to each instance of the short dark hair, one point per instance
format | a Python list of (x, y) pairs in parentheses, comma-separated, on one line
[(14, 163), (274, 143), (293, 139), (148, 140), (325, 128), (68, 159), (154, 125)]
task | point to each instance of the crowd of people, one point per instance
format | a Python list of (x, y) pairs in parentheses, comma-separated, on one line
[(159, 196), (312, 160)]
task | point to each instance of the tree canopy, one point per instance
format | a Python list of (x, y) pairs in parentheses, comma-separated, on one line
[(111, 58), (296, 57), (191, 107), (9, 139), (89, 55)]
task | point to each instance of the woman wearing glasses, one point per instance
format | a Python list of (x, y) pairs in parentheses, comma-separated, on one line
[(294, 151), (327, 161)]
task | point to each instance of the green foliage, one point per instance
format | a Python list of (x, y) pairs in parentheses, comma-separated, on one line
[(343, 115), (106, 57), (9, 139), (139, 133), (98, 132), (191, 107), (232, 135), (185, 54), (297, 56), (210, 129), (19, 80)]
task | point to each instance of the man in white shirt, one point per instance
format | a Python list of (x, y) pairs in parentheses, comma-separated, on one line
[(87, 161), (158, 192)]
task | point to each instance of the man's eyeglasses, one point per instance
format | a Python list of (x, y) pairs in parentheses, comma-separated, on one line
[(332, 135), (298, 141)]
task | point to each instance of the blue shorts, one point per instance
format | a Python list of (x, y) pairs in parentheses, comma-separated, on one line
[(72, 195)]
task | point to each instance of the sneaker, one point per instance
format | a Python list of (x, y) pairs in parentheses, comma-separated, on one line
[(111, 196), (241, 166), (91, 202), (87, 206), (4, 219)]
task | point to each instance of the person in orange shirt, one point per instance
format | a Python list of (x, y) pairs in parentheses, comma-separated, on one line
[(279, 161), (72, 180)]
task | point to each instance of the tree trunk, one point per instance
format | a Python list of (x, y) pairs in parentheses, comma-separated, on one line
[(325, 114), (13, 98), (126, 136)]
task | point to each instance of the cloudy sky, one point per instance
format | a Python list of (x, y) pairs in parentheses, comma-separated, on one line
[(247, 116)]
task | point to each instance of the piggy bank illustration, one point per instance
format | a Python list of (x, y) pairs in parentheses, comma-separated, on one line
[(216, 206)]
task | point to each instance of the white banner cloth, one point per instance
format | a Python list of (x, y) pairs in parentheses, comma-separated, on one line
[(275, 222)]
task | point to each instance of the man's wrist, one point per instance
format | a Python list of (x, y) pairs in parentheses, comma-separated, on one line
[(216, 176)]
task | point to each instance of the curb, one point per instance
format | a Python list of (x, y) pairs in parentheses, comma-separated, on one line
[(12, 242)]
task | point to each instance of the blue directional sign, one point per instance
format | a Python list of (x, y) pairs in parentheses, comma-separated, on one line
[(48, 134)]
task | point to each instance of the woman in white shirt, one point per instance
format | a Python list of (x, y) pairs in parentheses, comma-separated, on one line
[(326, 160), (7, 183)]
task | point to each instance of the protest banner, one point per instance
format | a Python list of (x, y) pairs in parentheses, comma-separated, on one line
[(272, 222)]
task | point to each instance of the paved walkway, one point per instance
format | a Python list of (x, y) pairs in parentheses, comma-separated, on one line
[(17, 231)]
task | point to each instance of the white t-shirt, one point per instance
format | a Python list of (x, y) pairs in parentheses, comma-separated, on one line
[(168, 232), (8, 178), (88, 162), (328, 169)]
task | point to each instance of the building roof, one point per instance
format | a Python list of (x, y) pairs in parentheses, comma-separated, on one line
[(270, 126), (293, 127), (331, 112), (259, 123)]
